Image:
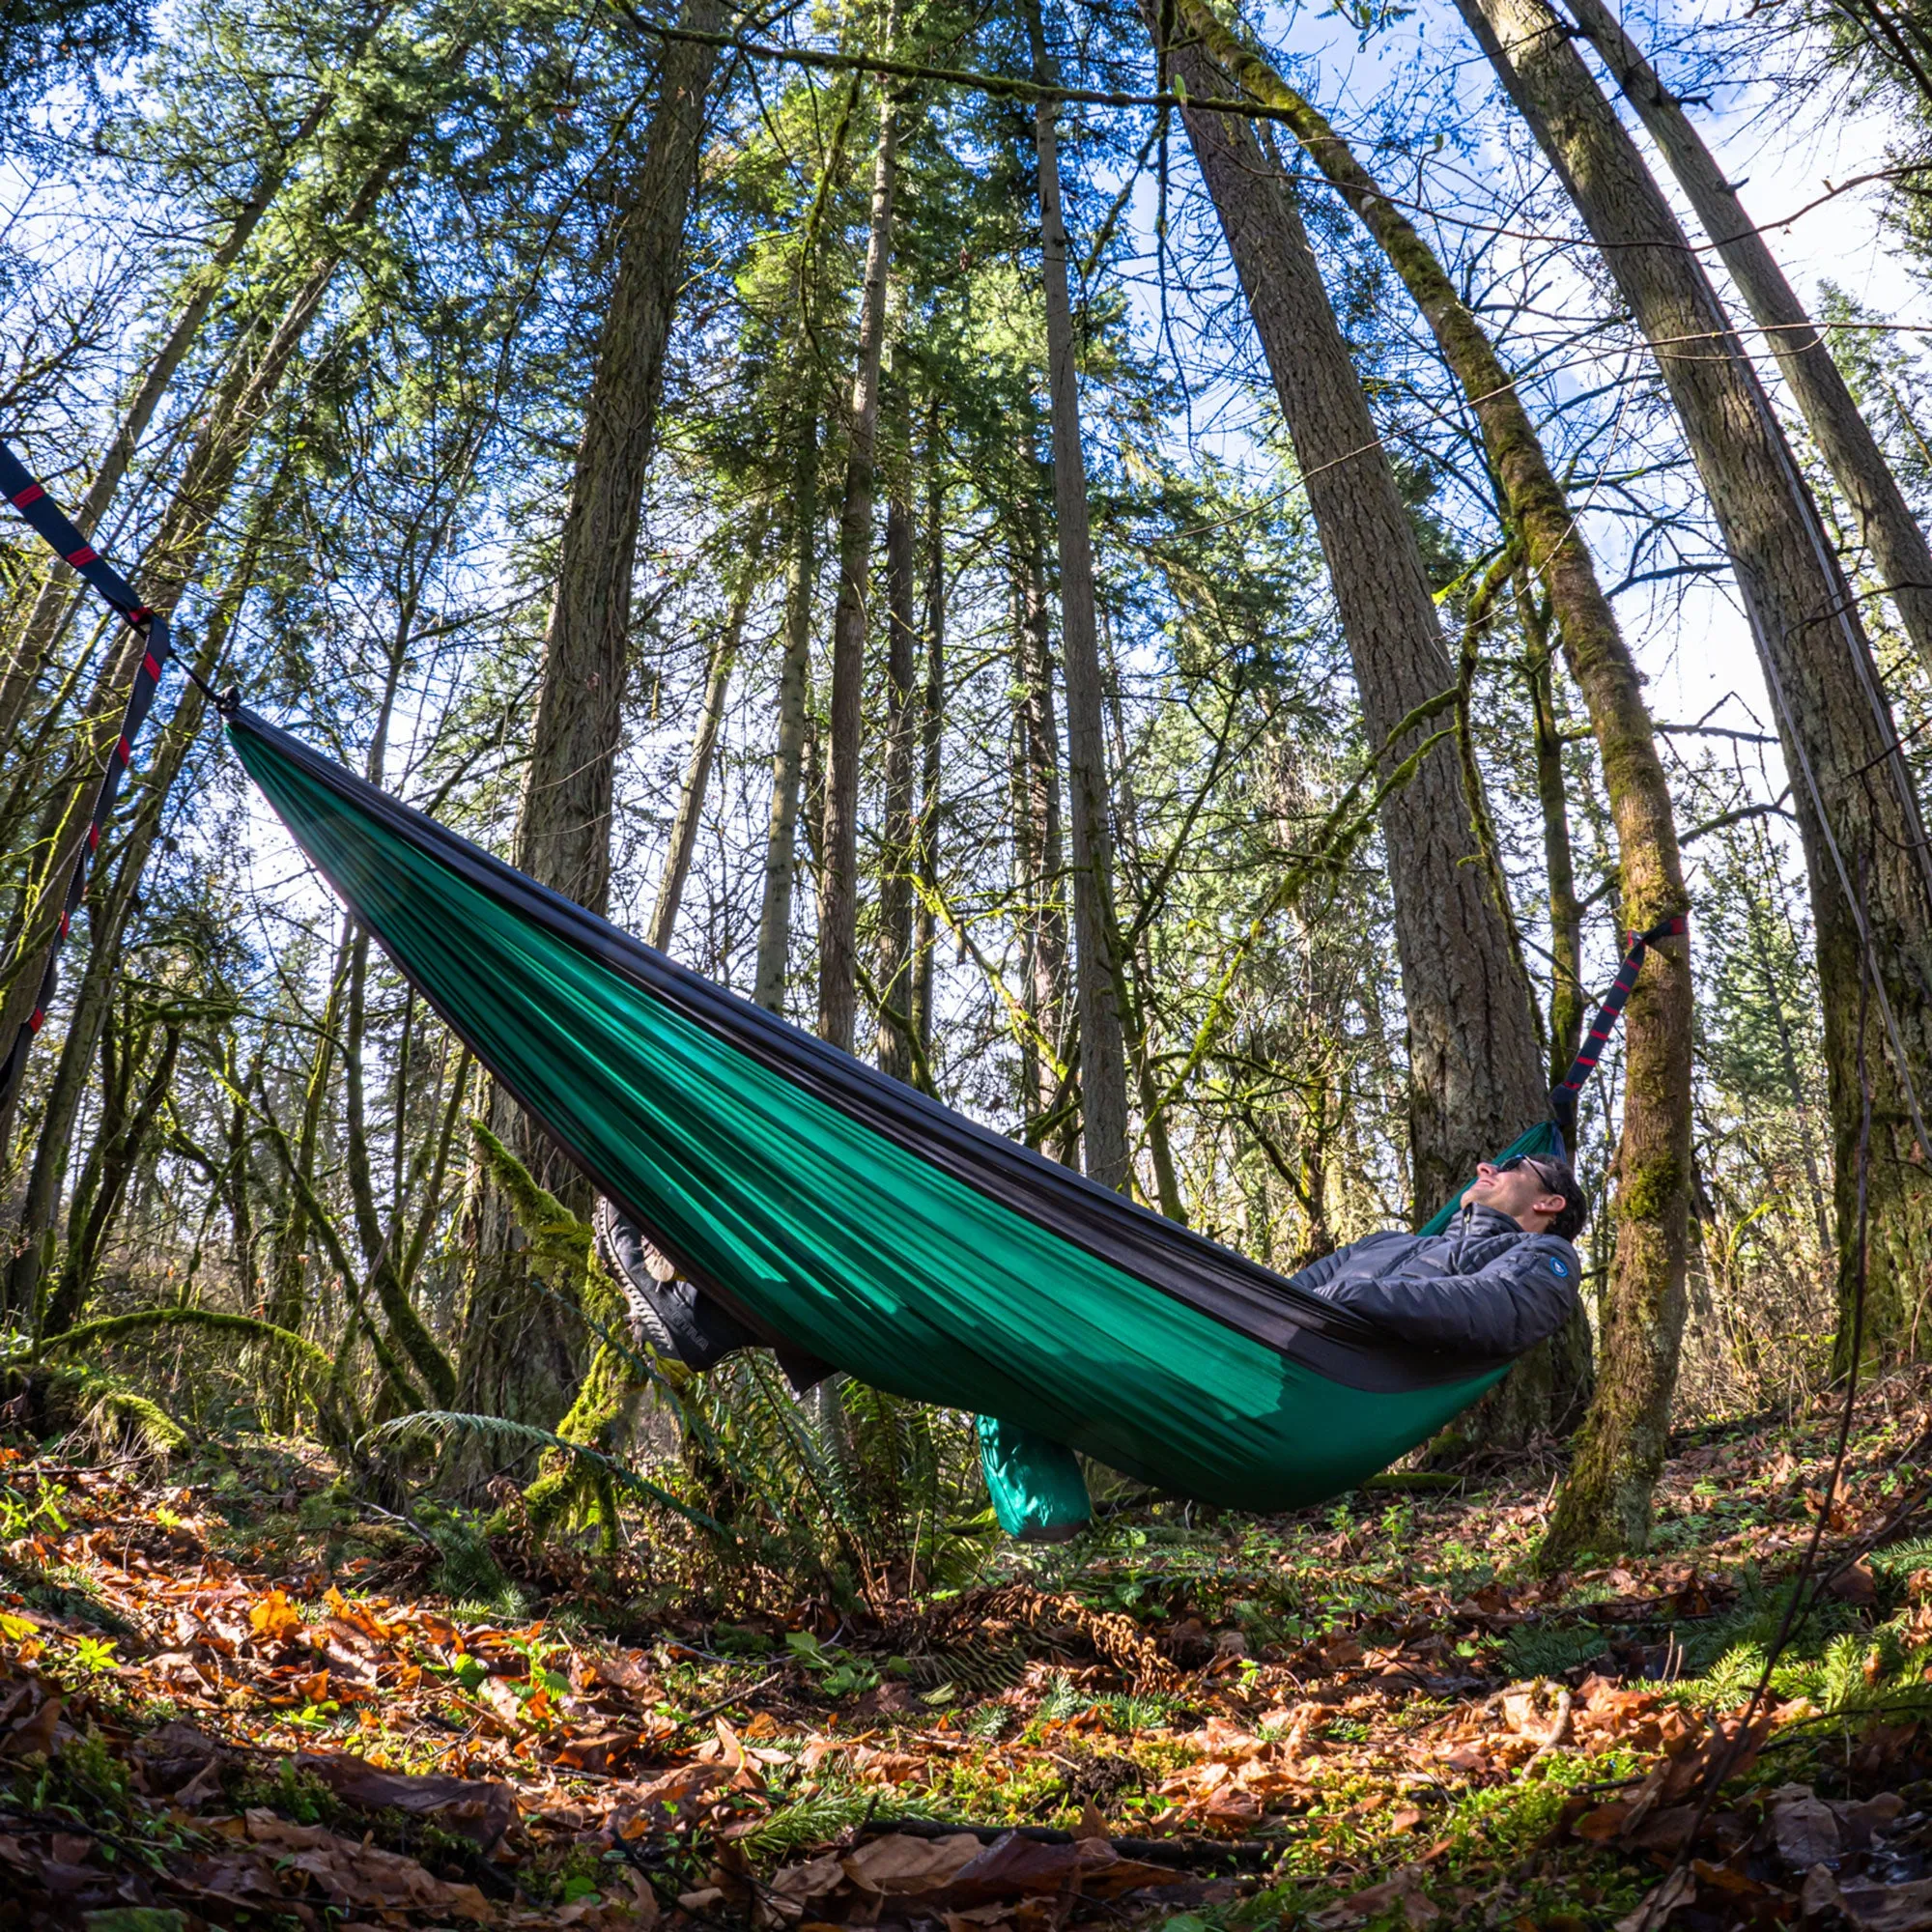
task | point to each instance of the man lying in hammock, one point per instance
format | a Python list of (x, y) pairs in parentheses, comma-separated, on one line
[(1502, 1278), (1496, 1281)]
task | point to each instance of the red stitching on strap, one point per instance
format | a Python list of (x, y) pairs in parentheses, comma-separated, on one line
[(84, 555), (32, 494)]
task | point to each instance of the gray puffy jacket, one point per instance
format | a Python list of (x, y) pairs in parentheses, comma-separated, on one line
[(1483, 1288)]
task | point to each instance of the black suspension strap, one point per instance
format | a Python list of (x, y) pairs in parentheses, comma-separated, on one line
[(33, 502), (1563, 1095)]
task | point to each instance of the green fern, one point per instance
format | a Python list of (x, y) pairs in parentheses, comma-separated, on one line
[(435, 1427), (1732, 1679), (1132, 1712), (988, 1723), (1841, 1674)]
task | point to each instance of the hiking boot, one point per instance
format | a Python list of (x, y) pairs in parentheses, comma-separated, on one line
[(678, 1320)]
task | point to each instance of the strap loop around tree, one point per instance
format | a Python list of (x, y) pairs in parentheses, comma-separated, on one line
[(1563, 1095)]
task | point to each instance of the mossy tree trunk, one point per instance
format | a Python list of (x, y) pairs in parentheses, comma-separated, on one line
[(1858, 810), (1607, 1501), (1475, 1064), (523, 1351)]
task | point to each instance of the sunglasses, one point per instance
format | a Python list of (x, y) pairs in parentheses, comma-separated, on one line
[(1535, 1166)]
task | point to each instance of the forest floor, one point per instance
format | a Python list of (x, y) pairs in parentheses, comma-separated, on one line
[(228, 1697)]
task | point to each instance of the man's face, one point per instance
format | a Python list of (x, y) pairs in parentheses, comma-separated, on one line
[(1517, 1190)]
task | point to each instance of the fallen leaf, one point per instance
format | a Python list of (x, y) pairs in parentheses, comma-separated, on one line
[(1679, 1888), (360, 1874), (817, 1878), (1404, 1892), (595, 1751), (274, 1619), (900, 1866), (1888, 1908), (1855, 1583), (479, 1809), (1806, 1833), (33, 1714), (1603, 1823)]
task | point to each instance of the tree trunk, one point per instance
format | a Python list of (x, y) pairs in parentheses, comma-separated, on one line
[(168, 567), (1887, 527), (838, 890), (932, 725), (288, 1281), (563, 823), (896, 854), (704, 742), (1475, 1078), (1136, 968), (520, 1348), (788, 756), (1041, 852), (1096, 968), (1567, 998), (1606, 1504), (1857, 813)]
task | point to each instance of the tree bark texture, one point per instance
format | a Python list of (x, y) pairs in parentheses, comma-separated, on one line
[(1042, 847), (892, 978), (563, 823), (521, 1349), (1858, 814), (1607, 1501), (788, 753), (839, 894), (1568, 1004), (1476, 1074), (1889, 531), (1096, 964), (683, 844)]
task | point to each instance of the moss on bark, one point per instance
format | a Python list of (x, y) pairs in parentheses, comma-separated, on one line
[(1606, 1502)]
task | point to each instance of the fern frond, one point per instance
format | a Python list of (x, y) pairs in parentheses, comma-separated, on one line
[(434, 1427)]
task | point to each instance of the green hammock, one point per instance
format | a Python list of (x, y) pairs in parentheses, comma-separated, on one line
[(844, 1217)]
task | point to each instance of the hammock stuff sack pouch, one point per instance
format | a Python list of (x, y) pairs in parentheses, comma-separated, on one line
[(839, 1212)]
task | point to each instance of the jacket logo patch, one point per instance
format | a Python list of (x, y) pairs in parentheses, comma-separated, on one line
[(1558, 1266)]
